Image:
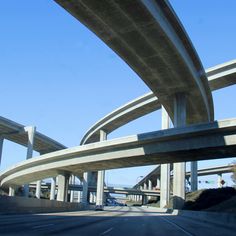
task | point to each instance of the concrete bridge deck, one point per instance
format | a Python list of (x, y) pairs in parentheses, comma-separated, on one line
[(17, 133), (219, 76), (156, 173), (153, 42), (195, 142)]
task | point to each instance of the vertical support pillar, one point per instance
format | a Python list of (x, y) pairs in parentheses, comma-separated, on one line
[(141, 196), (165, 168), (144, 186), (80, 192), (194, 182), (11, 191), (219, 181), (1, 147), (63, 182), (100, 180), (144, 196), (158, 183), (79, 196), (149, 184), (31, 133), (38, 189), (85, 188), (53, 188), (92, 197), (72, 192), (179, 168), (149, 187)]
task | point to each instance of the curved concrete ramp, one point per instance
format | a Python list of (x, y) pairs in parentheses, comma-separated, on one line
[(150, 38), (195, 142), (219, 76)]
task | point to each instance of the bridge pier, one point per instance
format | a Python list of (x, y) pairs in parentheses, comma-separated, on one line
[(194, 182), (149, 187), (165, 168), (53, 188), (31, 134), (85, 188), (179, 169), (11, 191), (72, 181), (144, 200), (62, 192), (38, 189), (101, 178), (79, 197)]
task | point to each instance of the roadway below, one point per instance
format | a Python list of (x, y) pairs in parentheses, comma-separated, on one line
[(112, 221)]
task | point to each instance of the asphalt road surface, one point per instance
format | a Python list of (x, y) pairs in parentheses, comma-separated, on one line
[(115, 221)]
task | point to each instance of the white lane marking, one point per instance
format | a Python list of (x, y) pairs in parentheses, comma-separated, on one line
[(41, 226), (177, 226), (107, 231)]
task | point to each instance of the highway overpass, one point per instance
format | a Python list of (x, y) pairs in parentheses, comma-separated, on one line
[(153, 42), (196, 142)]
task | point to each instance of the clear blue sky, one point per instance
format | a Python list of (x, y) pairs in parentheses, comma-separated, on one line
[(57, 75)]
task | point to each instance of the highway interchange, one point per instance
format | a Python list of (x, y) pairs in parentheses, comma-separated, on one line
[(169, 68)]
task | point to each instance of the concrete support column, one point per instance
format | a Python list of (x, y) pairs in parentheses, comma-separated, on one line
[(149, 184), (38, 189), (79, 196), (101, 178), (62, 192), (158, 183), (219, 181), (144, 196), (1, 147), (139, 198), (100, 188), (165, 168), (30, 148), (92, 197), (85, 188), (179, 168), (144, 186), (149, 187), (53, 188), (31, 133), (11, 191), (194, 181), (72, 192)]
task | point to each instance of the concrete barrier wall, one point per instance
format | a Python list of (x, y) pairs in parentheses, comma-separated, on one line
[(10, 205), (220, 218)]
